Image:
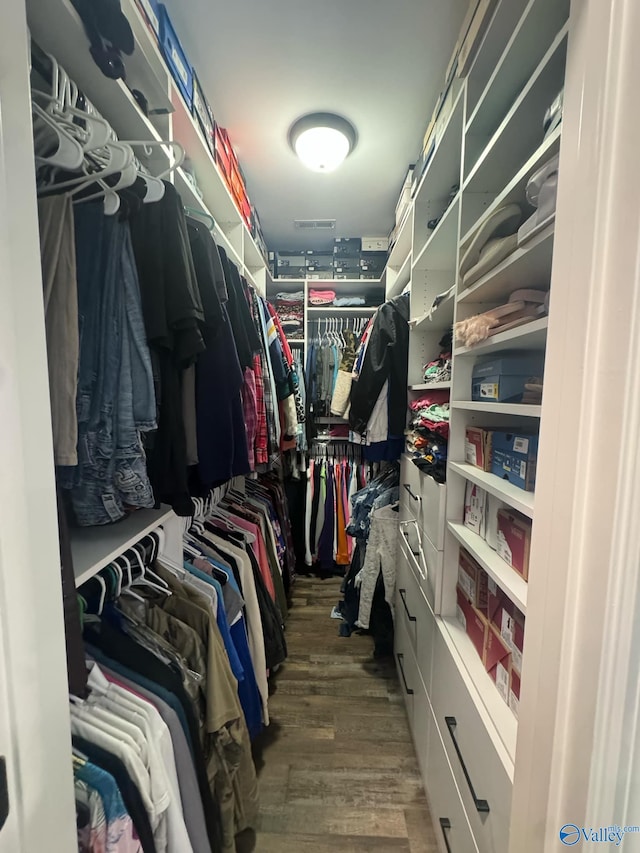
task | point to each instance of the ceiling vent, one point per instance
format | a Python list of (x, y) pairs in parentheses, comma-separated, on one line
[(315, 224)]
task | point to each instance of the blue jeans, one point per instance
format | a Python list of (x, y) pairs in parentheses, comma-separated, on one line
[(116, 399)]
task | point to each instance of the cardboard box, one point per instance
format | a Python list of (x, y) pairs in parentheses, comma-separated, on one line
[(477, 29), (347, 247), (514, 458), (514, 691), (502, 379), (475, 501), (151, 9), (497, 662), (509, 622), (495, 599), (473, 622), (514, 540), (204, 115), (175, 57), (472, 581), (477, 447), (375, 244)]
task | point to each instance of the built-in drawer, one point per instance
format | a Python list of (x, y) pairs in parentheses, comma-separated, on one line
[(423, 500), (480, 771), (416, 616), (406, 666), (426, 563), (450, 822)]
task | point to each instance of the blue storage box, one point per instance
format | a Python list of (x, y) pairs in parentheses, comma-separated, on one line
[(176, 58), (514, 457), (502, 379)]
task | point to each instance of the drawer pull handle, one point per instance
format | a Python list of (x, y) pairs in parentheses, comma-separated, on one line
[(481, 805), (408, 488), (404, 678), (403, 596), (445, 826)]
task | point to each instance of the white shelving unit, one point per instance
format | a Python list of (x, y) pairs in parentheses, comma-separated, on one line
[(57, 28), (492, 143)]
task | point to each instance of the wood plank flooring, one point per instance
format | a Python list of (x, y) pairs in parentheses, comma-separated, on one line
[(337, 769)]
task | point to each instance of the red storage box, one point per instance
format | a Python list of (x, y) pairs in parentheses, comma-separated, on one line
[(497, 662), (473, 622)]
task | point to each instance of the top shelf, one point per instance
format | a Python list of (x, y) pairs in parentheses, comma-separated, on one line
[(93, 548), (401, 249)]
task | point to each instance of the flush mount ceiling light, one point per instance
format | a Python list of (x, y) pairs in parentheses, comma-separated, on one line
[(322, 141)]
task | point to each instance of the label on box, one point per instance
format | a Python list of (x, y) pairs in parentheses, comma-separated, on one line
[(461, 617), (470, 454), (489, 390), (502, 682), (521, 444), (514, 702), (467, 585), (492, 586), (503, 549), (151, 15), (523, 470), (506, 629), (182, 71)]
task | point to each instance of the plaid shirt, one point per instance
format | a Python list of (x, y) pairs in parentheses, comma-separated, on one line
[(261, 443)]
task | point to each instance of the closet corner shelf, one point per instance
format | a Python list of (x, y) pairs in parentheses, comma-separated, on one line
[(439, 252), (531, 336), (441, 319), (401, 281), (499, 719), (507, 578), (521, 410), (93, 548), (436, 181), (430, 386), (401, 249), (507, 492), (527, 267)]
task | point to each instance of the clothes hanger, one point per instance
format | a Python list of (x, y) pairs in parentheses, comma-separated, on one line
[(192, 211), (129, 582), (147, 576)]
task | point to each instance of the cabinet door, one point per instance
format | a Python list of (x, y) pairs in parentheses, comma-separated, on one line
[(407, 669)]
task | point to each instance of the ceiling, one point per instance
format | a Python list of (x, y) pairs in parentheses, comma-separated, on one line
[(264, 63)]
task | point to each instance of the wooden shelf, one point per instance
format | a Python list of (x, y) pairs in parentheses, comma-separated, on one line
[(479, 682), (507, 578), (531, 336), (93, 548), (528, 267), (521, 410), (511, 143), (443, 169), (507, 492), (401, 281), (441, 319), (430, 386), (401, 249), (439, 252)]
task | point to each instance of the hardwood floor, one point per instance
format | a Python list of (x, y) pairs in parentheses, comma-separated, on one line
[(337, 769)]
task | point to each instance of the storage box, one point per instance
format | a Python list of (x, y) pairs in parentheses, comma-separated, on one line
[(502, 379), (473, 622), (404, 199), (204, 115), (495, 600), (509, 622), (224, 153), (477, 447), (341, 264), (373, 264), (375, 244), (475, 500), (497, 662), (151, 10), (175, 56), (369, 276), (325, 269), (352, 275), (514, 691), (514, 540), (347, 247), (472, 581), (514, 457)]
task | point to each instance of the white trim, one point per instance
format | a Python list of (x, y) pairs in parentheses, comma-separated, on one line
[(584, 561)]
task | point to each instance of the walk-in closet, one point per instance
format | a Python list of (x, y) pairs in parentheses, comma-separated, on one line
[(320, 391)]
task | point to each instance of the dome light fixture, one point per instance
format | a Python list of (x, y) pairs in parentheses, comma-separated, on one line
[(322, 141)]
